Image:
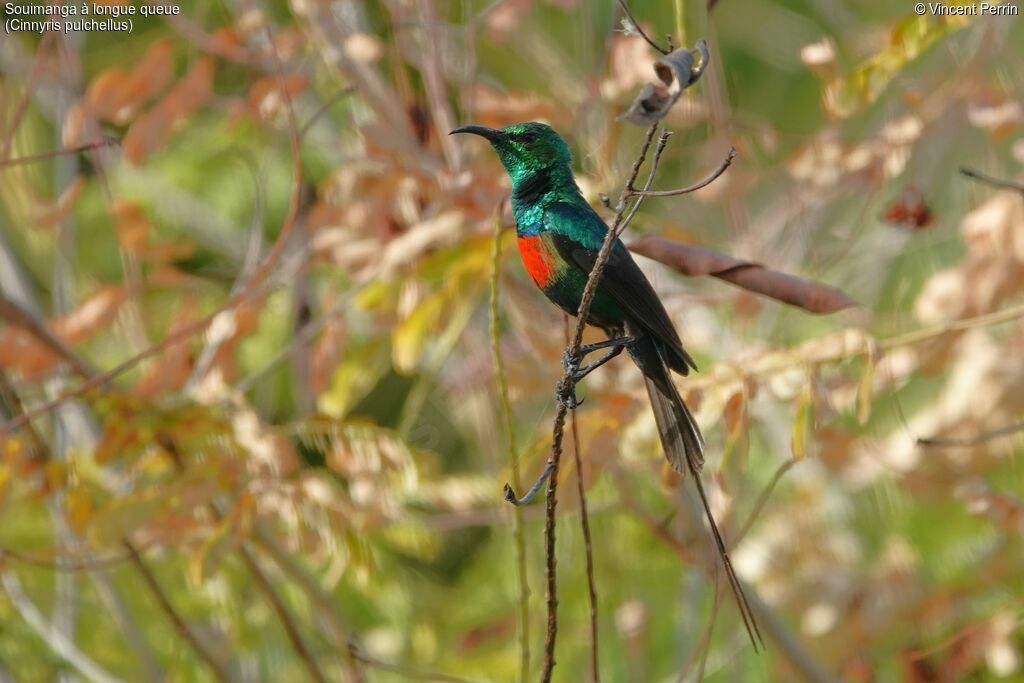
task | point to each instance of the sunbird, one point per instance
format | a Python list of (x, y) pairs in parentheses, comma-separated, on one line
[(559, 236)]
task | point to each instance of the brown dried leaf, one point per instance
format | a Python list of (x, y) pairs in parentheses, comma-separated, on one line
[(677, 72), (116, 93), (695, 261), (91, 316), (150, 130), (132, 225), (50, 216)]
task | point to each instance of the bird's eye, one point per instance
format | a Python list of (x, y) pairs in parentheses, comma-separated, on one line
[(527, 137)]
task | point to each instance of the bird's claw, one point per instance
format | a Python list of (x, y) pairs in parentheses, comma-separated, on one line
[(571, 361), (565, 393)]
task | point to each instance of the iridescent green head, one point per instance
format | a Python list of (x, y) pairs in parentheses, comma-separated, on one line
[(525, 148)]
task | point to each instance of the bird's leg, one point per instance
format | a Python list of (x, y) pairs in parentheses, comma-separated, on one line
[(571, 363), (565, 389)]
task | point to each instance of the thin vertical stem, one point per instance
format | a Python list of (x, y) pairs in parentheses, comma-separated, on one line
[(558, 432), (518, 530), (587, 544), (217, 667), (284, 616), (680, 12)]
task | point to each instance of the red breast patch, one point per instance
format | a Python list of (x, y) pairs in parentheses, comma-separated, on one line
[(537, 258)]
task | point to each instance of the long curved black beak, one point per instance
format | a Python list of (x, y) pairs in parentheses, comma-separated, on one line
[(491, 134)]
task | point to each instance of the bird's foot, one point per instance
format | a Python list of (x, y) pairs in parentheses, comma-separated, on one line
[(571, 361), (565, 393)]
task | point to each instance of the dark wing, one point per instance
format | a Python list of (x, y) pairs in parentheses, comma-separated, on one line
[(577, 233)]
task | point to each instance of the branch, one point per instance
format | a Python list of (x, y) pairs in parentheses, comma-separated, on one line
[(989, 180), (107, 141), (217, 667), (17, 316), (23, 105), (662, 141), (323, 602), (409, 674), (263, 583), (796, 652), (330, 102), (284, 615), (248, 291), (700, 653), (953, 442), (51, 635), (568, 388), (640, 31), (65, 564), (726, 163), (587, 545), (763, 499)]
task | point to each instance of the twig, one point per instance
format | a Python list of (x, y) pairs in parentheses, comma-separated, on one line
[(587, 545), (756, 368), (550, 564), (765, 495), (633, 22), (654, 526), (284, 616), (788, 644), (107, 141), (17, 316), (263, 583), (518, 531), (800, 657), (404, 672), (19, 113), (323, 602), (662, 142), (704, 646), (247, 292), (52, 636), (961, 325), (331, 101), (568, 388), (989, 180), (13, 402), (696, 186), (217, 667), (952, 442), (510, 493), (65, 564)]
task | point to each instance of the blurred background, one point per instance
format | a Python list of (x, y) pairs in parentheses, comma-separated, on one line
[(252, 420)]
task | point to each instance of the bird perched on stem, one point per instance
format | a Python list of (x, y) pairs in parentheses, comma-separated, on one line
[(559, 237)]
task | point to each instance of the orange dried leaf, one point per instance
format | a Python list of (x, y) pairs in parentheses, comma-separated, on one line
[(151, 129), (52, 215), (92, 315), (132, 225), (105, 95)]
